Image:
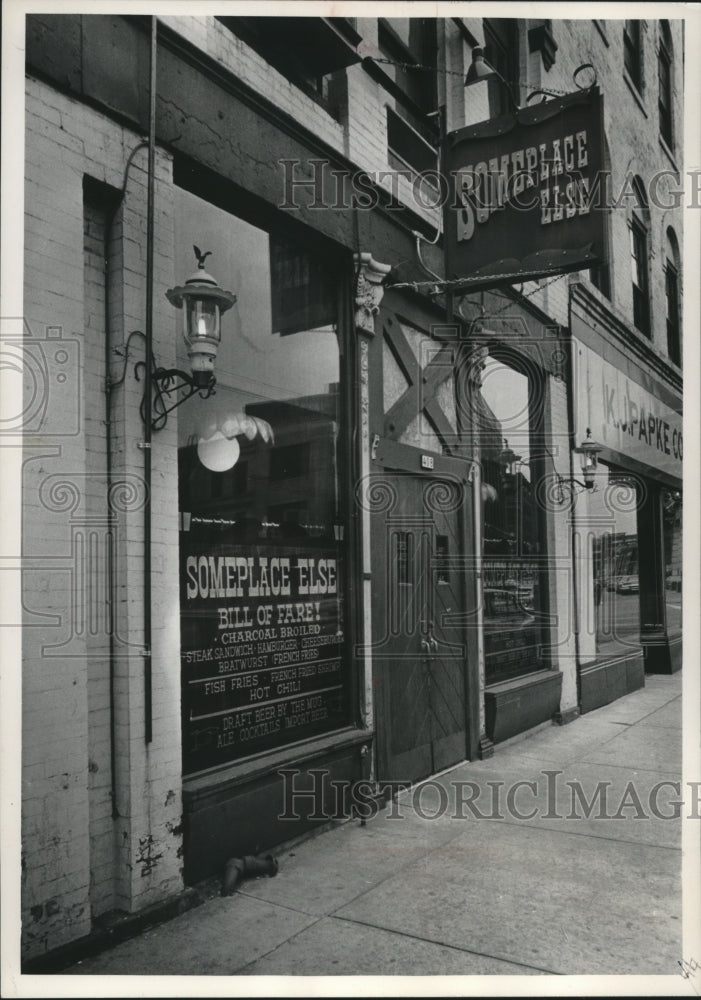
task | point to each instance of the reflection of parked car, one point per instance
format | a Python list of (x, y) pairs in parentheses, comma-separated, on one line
[(626, 584), (513, 598)]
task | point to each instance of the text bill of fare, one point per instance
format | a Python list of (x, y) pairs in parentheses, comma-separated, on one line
[(524, 192), (262, 638)]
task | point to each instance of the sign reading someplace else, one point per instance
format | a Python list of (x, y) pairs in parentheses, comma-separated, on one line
[(261, 648), (524, 193)]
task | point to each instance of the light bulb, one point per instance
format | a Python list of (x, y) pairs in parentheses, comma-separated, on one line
[(218, 453)]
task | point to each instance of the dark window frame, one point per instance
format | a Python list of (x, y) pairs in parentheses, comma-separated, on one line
[(633, 53), (412, 125), (501, 50), (664, 79), (419, 85), (326, 85), (639, 248), (407, 148), (601, 279), (671, 275)]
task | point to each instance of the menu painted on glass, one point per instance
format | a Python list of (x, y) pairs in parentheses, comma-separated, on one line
[(263, 511), (262, 635)]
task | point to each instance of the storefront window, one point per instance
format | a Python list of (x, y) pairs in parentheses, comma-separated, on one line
[(511, 538), (614, 591), (672, 527), (262, 525)]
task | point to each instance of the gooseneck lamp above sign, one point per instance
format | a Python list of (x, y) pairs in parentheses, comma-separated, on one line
[(203, 302), (481, 70)]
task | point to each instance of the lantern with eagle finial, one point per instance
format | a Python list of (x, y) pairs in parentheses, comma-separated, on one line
[(203, 301)]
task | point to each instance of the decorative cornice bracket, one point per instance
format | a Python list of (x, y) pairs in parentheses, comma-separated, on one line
[(368, 290)]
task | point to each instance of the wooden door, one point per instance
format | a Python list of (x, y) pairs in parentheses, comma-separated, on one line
[(419, 657)]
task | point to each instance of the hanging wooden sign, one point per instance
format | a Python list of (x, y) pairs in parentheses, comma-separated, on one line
[(526, 193)]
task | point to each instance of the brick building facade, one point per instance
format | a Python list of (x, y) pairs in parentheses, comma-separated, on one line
[(456, 605)]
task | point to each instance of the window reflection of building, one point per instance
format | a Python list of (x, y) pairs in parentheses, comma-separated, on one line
[(613, 591), (300, 495), (284, 489), (510, 525), (279, 393), (673, 557)]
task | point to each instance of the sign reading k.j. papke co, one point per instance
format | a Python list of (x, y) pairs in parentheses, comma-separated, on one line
[(524, 193)]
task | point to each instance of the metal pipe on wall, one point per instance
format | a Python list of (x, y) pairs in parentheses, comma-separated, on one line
[(148, 622)]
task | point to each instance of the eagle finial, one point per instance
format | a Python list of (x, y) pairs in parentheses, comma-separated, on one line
[(201, 257)]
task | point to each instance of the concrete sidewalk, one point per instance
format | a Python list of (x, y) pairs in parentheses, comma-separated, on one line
[(411, 895)]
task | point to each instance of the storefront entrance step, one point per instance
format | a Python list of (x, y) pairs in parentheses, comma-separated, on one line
[(519, 704), (602, 682)]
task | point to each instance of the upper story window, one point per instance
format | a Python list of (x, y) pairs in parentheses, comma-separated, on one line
[(599, 277), (633, 52), (501, 52), (672, 296), (308, 51), (601, 28), (412, 42), (639, 257), (664, 73), (409, 75)]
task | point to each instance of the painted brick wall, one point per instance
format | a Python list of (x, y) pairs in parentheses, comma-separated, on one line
[(56, 847), (77, 861)]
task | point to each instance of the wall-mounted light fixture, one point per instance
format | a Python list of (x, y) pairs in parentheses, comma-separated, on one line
[(508, 464), (588, 451), (481, 70), (203, 302), (671, 504)]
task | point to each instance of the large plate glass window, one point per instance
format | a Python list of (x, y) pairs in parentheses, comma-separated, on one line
[(615, 581), (513, 557), (673, 559), (262, 526)]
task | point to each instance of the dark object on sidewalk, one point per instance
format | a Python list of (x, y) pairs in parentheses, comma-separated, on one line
[(238, 869)]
